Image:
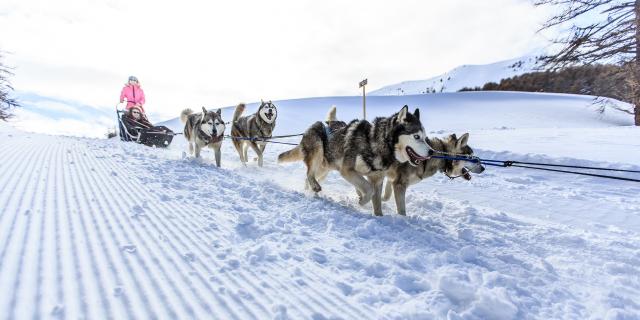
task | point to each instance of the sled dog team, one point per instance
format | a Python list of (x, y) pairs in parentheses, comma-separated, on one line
[(363, 152)]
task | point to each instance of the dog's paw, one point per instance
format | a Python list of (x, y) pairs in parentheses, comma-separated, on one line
[(364, 199)]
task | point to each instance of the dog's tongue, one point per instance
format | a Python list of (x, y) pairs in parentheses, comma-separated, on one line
[(416, 155)]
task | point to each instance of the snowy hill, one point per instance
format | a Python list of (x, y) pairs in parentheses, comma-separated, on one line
[(95, 228), (460, 77), (61, 117)]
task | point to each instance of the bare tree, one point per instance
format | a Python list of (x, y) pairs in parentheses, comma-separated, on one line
[(611, 34), (6, 102)]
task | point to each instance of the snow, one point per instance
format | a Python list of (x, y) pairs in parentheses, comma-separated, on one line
[(469, 76), (94, 228)]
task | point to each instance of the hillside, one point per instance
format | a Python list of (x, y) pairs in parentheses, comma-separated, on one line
[(460, 77)]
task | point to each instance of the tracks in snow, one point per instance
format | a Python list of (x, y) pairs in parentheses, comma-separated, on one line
[(87, 232), (98, 229)]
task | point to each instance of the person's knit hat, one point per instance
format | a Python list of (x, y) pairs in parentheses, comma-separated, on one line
[(133, 78)]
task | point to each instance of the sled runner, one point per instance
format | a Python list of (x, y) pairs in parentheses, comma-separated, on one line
[(131, 130)]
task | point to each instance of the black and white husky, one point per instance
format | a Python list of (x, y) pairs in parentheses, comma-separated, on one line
[(248, 131), (401, 176), (202, 130), (361, 151)]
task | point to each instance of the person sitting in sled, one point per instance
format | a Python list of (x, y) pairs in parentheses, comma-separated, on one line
[(143, 131), (133, 94), (134, 119)]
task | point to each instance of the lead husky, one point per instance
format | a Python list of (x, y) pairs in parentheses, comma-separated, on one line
[(360, 149), (259, 125), (203, 129), (400, 175)]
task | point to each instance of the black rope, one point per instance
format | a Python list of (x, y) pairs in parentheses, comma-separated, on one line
[(287, 136), (508, 164), (260, 139), (526, 165), (559, 165)]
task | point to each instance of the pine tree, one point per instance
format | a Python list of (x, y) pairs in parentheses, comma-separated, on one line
[(6, 102)]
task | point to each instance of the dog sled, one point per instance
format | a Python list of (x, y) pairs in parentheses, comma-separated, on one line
[(131, 130)]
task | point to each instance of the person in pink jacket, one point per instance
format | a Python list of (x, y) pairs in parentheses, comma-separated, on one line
[(134, 94)]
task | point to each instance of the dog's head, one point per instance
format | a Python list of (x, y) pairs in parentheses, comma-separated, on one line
[(268, 111), (211, 122), (460, 168), (409, 137)]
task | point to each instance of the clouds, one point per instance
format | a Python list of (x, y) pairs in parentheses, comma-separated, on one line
[(192, 53)]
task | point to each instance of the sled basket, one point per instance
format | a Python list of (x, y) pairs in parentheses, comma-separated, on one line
[(157, 136)]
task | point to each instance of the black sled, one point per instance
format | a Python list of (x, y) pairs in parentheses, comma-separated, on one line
[(143, 133)]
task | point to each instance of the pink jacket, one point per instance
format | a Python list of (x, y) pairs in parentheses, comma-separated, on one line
[(134, 95)]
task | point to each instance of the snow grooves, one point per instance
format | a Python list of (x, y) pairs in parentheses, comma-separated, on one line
[(327, 305), (86, 234)]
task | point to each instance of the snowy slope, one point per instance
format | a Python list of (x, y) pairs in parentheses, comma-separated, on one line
[(61, 117), (99, 228), (460, 77), (489, 116)]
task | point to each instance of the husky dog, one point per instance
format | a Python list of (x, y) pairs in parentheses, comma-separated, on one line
[(361, 151), (251, 129), (400, 175), (203, 129)]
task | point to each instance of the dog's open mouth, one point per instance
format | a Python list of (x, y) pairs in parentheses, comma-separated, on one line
[(465, 174), (414, 157), (270, 114)]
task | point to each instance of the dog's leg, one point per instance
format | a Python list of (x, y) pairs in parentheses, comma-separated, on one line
[(256, 149), (376, 200), (388, 190), (190, 148), (313, 161), (218, 155), (238, 145), (321, 173), (399, 191), (198, 150), (245, 148), (362, 185)]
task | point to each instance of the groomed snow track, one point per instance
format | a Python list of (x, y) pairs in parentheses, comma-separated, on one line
[(103, 229)]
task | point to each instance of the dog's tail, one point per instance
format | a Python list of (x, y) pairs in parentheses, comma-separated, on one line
[(238, 112), (184, 115), (331, 115), (292, 155)]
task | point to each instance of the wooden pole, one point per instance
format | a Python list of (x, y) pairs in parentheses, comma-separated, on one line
[(362, 84), (364, 104)]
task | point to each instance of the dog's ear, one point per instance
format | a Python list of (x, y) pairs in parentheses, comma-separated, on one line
[(261, 101), (219, 112), (402, 115), (270, 102), (453, 136), (204, 110), (463, 140), (417, 113)]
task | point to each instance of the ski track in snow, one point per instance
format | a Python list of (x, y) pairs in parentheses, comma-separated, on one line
[(104, 229)]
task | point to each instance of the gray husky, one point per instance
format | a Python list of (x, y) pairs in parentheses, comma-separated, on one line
[(259, 125), (400, 175), (203, 129), (360, 150)]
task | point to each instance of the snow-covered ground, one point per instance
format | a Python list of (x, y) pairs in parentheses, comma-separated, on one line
[(469, 76), (99, 228)]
